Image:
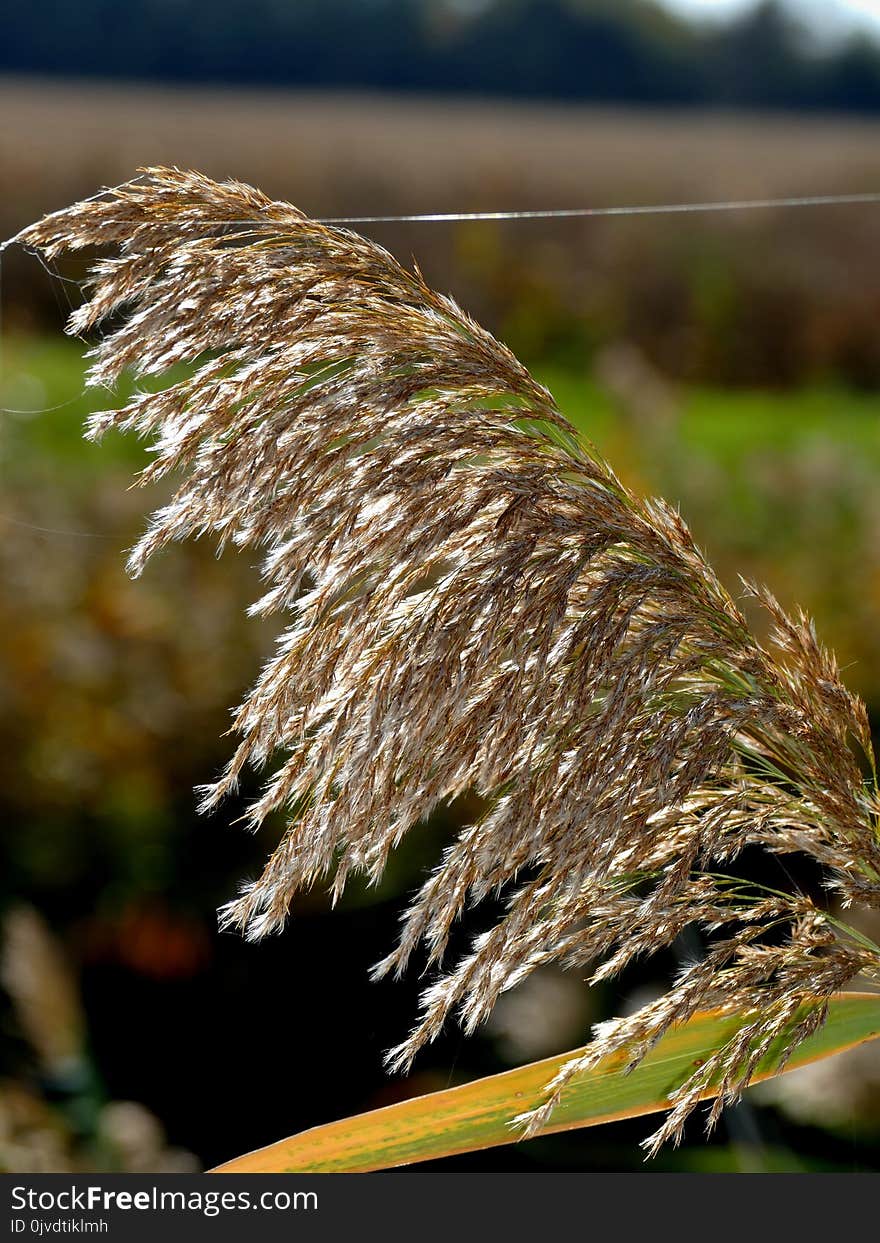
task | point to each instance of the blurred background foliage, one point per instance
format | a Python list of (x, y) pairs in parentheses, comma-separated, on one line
[(730, 363), (598, 50)]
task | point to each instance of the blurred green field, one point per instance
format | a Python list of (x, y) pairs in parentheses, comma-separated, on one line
[(40, 374), (731, 424)]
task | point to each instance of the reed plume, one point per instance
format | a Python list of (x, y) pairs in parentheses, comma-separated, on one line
[(477, 603)]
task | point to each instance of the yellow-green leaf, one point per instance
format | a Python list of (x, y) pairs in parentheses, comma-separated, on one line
[(477, 1115)]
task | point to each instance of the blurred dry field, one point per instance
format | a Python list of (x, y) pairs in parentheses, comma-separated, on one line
[(366, 153), (756, 297), (361, 153)]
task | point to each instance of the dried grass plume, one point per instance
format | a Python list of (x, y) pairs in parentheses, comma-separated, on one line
[(476, 603)]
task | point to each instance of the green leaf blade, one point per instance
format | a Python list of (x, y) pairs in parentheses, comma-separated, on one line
[(477, 1115)]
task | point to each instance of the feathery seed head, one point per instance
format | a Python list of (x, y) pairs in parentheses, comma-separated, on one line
[(476, 603)]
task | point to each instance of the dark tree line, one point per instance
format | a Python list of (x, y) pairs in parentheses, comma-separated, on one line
[(610, 51)]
